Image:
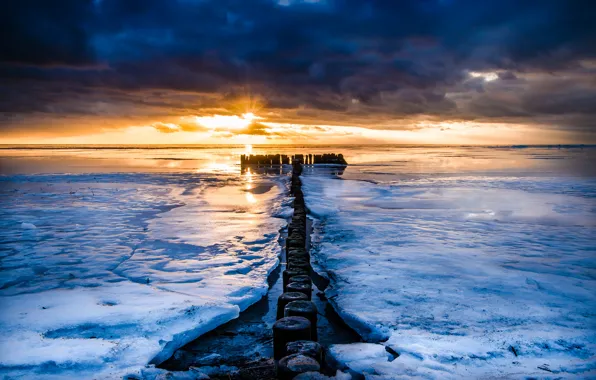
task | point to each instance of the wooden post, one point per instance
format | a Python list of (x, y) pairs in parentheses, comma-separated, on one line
[(285, 299), (300, 287), (293, 365), (306, 348), (286, 330), (287, 274), (306, 309)]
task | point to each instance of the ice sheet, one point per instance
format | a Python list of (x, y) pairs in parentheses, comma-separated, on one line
[(463, 276), (102, 274)]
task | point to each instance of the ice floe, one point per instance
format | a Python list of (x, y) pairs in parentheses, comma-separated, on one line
[(123, 269), (462, 276)]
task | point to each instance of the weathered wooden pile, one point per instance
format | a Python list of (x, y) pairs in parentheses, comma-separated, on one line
[(264, 159), (295, 344), (283, 159)]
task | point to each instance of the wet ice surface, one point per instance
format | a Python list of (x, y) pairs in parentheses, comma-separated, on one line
[(103, 273), (464, 275)]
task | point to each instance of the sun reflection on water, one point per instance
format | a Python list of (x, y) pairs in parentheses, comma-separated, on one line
[(250, 198), (219, 167), (248, 176)]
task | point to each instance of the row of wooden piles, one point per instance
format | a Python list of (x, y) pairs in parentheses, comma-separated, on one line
[(283, 159), (295, 344)]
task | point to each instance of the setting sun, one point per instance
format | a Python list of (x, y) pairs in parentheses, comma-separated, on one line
[(250, 116), (218, 123)]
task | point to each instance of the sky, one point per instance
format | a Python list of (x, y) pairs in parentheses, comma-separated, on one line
[(298, 71)]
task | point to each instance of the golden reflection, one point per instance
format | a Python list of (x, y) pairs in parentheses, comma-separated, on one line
[(248, 176), (250, 198), (217, 167)]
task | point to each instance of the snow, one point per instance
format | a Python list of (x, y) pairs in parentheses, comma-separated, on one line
[(469, 262), (102, 274), (465, 275), (359, 357)]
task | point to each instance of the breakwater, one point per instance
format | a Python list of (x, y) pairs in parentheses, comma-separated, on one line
[(244, 348), (295, 347), (284, 159)]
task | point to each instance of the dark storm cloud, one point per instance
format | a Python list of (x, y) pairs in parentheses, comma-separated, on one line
[(46, 33), (336, 59)]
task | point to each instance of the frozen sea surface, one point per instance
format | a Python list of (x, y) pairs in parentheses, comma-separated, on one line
[(102, 274), (471, 262), (464, 274)]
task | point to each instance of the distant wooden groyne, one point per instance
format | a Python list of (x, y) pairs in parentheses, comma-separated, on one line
[(284, 159)]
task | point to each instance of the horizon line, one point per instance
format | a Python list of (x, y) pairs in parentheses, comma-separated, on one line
[(4, 146)]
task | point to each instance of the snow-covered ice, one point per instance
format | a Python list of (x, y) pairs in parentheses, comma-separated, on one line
[(464, 275), (102, 274), (358, 357), (469, 262)]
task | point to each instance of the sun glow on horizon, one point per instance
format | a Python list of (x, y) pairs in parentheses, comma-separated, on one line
[(250, 116), (248, 128), (226, 122)]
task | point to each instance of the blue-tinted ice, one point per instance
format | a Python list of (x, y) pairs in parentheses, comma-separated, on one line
[(103, 273), (471, 272)]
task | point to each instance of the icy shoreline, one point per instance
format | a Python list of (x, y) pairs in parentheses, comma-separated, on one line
[(102, 274), (461, 279)]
